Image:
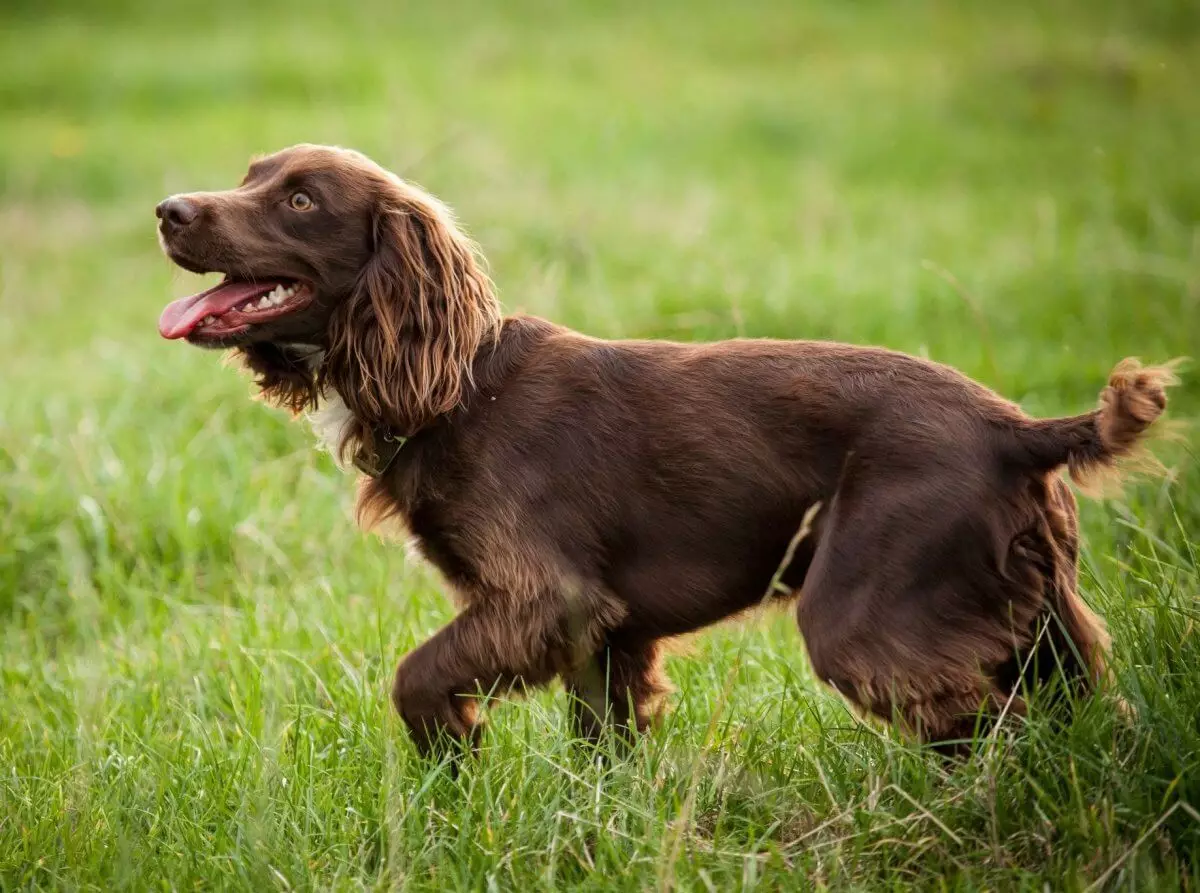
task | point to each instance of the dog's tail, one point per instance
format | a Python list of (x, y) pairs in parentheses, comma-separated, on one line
[(1092, 444)]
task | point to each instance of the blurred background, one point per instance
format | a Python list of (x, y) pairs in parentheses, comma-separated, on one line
[(946, 178), (1010, 188)]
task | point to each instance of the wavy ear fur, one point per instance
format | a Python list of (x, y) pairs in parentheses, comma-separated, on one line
[(401, 346)]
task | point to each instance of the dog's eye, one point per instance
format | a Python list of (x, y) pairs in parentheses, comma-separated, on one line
[(300, 202)]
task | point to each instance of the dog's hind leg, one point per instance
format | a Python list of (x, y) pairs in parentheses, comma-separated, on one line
[(907, 609), (1073, 642)]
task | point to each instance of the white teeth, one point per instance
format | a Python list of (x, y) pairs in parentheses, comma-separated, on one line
[(208, 319), (273, 298), (281, 293)]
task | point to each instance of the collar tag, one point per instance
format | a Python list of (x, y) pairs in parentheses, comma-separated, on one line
[(377, 463)]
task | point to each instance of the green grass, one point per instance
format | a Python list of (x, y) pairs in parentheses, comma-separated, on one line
[(196, 642)]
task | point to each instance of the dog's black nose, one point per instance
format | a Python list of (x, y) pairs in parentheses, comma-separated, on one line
[(176, 211)]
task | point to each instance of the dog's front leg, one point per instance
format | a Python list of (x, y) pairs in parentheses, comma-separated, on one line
[(621, 686), (492, 648)]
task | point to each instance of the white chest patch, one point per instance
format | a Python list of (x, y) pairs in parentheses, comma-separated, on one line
[(331, 420), (331, 424)]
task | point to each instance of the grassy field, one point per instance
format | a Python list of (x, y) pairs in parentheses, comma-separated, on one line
[(197, 644)]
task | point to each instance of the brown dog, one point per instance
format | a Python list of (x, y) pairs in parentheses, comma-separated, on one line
[(585, 499)]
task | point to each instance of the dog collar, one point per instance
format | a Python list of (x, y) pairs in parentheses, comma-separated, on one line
[(375, 463)]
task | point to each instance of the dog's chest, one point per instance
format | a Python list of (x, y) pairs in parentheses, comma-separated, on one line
[(331, 422)]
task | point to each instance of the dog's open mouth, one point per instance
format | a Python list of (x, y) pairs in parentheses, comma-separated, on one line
[(232, 307)]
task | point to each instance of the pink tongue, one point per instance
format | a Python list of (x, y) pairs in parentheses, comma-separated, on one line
[(180, 317)]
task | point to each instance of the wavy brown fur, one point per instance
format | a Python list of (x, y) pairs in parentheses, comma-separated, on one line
[(401, 345), (284, 375)]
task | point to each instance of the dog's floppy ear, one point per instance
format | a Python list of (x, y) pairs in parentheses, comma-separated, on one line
[(402, 344)]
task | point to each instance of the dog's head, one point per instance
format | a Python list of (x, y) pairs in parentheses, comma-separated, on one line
[(337, 273)]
